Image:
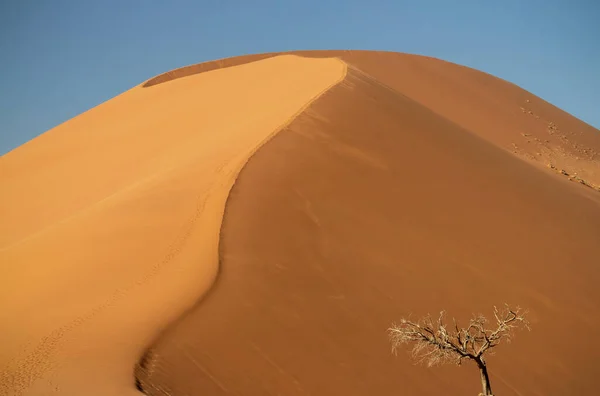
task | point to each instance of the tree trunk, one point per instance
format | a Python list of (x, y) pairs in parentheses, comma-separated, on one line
[(485, 379)]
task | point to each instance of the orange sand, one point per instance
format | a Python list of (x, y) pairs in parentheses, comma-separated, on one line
[(111, 221), (368, 207), (395, 184)]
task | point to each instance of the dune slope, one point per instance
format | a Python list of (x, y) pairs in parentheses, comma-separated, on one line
[(372, 205), (110, 222)]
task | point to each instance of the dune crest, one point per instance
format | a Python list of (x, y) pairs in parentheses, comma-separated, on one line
[(488, 106), (94, 209)]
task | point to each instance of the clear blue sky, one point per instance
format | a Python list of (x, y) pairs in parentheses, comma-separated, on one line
[(59, 58)]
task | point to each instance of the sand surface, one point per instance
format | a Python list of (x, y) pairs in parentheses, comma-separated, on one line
[(393, 184), (111, 221), (387, 197)]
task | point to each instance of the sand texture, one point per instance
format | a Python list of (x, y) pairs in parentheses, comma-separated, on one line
[(160, 238)]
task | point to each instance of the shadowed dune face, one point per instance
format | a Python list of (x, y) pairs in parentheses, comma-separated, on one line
[(366, 208)]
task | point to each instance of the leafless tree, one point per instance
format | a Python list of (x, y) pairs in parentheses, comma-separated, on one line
[(434, 342)]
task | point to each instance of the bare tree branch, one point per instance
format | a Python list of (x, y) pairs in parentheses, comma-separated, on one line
[(433, 343)]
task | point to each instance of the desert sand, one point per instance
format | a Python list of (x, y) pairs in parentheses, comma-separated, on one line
[(391, 184), (111, 221)]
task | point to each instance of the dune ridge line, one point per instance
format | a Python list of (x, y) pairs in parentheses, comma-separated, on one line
[(231, 180)]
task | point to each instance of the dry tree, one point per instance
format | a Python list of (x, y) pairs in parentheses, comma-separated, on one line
[(434, 342)]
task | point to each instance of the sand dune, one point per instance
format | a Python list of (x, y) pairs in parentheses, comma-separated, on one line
[(370, 206), (111, 221), (393, 184)]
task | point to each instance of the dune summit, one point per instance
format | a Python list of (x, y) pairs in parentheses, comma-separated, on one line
[(385, 184)]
